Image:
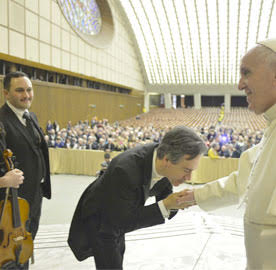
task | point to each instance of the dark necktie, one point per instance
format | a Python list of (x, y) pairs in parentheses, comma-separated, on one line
[(161, 190), (31, 128)]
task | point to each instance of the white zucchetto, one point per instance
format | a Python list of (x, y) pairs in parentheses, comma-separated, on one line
[(269, 43)]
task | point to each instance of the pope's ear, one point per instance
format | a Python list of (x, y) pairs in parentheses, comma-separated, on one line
[(274, 79)]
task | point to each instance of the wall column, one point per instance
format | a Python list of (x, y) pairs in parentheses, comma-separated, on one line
[(197, 101), (227, 103), (146, 102), (168, 100), (182, 101)]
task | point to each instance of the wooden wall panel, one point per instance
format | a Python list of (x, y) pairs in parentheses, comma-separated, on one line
[(64, 103)]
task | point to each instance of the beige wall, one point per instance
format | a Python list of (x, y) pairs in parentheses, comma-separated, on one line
[(87, 162), (36, 30)]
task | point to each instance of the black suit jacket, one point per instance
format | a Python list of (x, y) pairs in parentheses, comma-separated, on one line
[(27, 155), (3, 168), (116, 200)]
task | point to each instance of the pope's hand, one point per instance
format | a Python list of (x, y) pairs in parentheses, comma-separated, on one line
[(179, 200)]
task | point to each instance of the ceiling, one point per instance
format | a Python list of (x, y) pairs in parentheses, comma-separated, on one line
[(187, 46)]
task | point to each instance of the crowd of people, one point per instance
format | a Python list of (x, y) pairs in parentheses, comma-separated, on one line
[(101, 135)]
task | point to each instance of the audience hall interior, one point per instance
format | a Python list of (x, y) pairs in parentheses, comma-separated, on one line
[(107, 78)]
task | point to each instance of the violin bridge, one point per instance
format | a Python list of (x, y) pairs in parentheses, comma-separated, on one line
[(18, 238)]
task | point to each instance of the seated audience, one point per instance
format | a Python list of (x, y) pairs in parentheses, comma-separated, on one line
[(104, 164), (213, 151), (243, 131)]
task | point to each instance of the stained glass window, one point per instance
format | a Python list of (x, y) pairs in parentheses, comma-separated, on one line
[(84, 15)]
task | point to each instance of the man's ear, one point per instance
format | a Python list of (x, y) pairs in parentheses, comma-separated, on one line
[(6, 92), (166, 161)]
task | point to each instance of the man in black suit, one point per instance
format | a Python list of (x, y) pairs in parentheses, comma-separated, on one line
[(114, 203), (26, 140)]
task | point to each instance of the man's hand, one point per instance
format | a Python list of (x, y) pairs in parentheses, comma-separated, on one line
[(180, 200), (186, 196), (13, 178)]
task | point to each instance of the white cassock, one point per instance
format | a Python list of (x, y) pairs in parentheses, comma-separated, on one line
[(254, 184)]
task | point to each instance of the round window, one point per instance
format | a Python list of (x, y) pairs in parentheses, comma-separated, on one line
[(91, 20), (83, 15)]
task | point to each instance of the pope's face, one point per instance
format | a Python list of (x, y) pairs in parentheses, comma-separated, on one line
[(258, 82), (20, 94)]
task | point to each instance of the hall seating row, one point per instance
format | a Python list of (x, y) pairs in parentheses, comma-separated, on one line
[(195, 118)]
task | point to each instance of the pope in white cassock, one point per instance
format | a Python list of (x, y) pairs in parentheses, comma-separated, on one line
[(255, 181)]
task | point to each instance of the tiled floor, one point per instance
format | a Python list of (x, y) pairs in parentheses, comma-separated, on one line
[(192, 240)]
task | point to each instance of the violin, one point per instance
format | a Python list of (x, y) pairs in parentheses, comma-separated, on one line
[(16, 243)]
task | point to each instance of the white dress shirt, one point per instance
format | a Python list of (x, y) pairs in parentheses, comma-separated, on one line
[(154, 179), (18, 112)]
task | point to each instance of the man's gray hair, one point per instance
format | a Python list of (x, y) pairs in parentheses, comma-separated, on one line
[(181, 141)]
